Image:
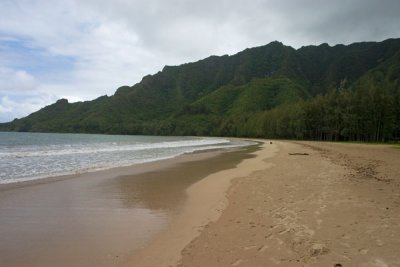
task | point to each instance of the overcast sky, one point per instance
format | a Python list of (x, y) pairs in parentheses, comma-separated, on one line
[(83, 49)]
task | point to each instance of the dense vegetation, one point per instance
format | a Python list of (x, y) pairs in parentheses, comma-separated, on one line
[(315, 92)]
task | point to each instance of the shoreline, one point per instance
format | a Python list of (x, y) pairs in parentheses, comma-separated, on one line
[(198, 211), (86, 220), (122, 170), (12, 181)]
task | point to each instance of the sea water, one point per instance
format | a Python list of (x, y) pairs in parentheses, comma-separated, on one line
[(29, 156)]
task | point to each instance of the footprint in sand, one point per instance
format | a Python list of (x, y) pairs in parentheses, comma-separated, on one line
[(379, 263), (236, 263), (262, 248), (249, 247), (318, 249), (346, 237), (277, 262)]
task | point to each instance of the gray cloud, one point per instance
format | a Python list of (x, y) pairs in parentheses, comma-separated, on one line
[(93, 46), (192, 28)]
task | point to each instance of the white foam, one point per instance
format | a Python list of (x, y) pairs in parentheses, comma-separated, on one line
[(101, 147), (31, 162)]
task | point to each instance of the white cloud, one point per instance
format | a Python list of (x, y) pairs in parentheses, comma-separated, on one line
[(16, 81), (21, 94), (21, 106)]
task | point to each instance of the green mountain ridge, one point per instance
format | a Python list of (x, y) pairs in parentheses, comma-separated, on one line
[(315, 92)]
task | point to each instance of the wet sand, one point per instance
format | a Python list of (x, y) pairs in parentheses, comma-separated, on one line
[(99, 218), (206, 200)]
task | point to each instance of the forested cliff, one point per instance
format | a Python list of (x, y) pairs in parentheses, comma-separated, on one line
[(275, 91)]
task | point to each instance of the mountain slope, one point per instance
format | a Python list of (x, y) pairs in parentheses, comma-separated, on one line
[(256, 92)]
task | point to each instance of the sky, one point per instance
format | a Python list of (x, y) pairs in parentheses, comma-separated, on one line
[(83, 49)]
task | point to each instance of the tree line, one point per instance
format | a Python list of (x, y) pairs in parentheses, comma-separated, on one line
[(368, 114)]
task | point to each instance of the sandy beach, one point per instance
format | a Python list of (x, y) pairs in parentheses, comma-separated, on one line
[(283, 203), (292, 204)]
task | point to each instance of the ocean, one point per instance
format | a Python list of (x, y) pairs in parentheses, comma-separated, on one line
[(30, 156)]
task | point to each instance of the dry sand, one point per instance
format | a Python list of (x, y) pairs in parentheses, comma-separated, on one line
[(338, 204)]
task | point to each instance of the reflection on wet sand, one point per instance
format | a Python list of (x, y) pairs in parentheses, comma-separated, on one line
[(96, 219), (165, 190)]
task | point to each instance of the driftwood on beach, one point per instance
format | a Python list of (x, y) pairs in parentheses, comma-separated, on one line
[(301, 154)]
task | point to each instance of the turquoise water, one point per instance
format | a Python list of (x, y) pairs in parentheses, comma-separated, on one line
[(29, 156)]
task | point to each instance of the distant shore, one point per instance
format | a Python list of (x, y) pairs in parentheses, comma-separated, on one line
[(293, 204)]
